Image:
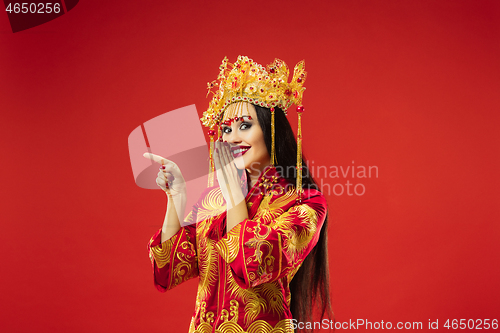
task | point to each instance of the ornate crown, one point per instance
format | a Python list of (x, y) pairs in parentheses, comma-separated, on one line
[(250, 82)]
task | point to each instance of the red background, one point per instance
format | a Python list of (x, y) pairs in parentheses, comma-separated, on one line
[(409, 86)]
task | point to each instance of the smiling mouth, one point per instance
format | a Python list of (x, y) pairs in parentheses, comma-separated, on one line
[(239, 150)]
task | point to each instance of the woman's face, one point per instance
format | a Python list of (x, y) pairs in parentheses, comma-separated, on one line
[(245, 137)]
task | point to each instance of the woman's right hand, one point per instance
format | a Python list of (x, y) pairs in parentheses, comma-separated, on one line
[(169, 178)]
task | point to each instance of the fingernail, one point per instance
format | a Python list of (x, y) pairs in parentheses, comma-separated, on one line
[(216, 150)]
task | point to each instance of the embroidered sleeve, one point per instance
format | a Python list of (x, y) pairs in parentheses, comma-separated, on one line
[(228, 246), (262, 252), (175, 260)]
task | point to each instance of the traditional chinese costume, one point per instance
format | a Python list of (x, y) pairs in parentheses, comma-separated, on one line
[(244, 275)]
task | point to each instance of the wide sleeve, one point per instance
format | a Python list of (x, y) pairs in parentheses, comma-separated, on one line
[(175, 260), (263, 252)]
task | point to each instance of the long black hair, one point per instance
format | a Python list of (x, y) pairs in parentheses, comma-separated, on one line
[(310, 285)]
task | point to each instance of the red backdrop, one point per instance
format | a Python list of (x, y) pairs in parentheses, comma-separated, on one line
[(411, 87)]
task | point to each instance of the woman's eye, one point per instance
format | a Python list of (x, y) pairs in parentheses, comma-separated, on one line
[(245, 125), (226, 130)]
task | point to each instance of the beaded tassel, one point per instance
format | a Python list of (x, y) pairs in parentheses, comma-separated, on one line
[(211, 171), (273, 152), (300, 109)]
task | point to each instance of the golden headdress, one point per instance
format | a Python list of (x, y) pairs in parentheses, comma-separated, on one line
[(248, 81)]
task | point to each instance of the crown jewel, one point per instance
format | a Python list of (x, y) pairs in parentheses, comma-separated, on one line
[(247, 81)]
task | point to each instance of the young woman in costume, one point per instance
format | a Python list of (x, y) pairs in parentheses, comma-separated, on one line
[(257, 240)]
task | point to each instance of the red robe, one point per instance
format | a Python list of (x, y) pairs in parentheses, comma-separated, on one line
[(244, 275)]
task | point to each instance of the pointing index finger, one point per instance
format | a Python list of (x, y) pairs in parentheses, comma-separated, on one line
[(155, 158)]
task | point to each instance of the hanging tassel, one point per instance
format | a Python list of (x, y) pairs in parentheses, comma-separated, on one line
[(211, 170), (273, 151), (300, 109)]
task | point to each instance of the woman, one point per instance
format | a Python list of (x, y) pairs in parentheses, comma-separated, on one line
[(257, 239)]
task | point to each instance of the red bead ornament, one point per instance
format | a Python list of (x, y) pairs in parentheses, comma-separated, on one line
[(299, 79), (300, 108), (211, 132), (249, 117)]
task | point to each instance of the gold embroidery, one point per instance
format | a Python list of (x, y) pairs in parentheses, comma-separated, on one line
[(230, 325), (252, 297), (206, 320), (266, 264), (211, 205), (259, 326), (234, 305), (161, 252), (291, 274), (253, 300), (297, 237), (289, 295), (228, 247), (270, 210), (296, 228), (192, 325), (207, 260), (274, 296), (254, 303), (298, 243), (186, 267), (189, 218)]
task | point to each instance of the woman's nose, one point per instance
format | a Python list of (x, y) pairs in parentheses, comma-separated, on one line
[(233, 137)]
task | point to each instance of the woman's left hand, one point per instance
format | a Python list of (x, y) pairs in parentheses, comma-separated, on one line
[(227, 175)]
